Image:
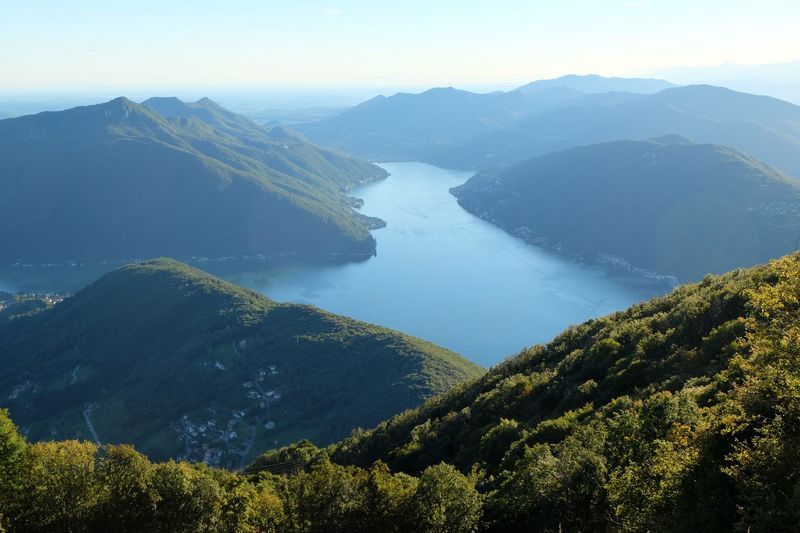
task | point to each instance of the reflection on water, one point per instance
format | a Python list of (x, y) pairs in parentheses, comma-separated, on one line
[(440, 274)]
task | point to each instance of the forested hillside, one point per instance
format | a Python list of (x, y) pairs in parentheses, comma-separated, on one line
[(182, 364), (680, 413), (119, 181), (666, 206)]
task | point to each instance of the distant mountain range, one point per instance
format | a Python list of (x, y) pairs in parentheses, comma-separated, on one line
[(759, 126), (779, 80), (419, 126), (183, 364), (594, 84), (409, 126), (123, 180), (459, 129), (667, 206)]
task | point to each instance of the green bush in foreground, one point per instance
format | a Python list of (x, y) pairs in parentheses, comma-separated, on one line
[(71, 486)]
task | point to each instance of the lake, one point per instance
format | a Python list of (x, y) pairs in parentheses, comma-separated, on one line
[(440, 273), (447, 276)]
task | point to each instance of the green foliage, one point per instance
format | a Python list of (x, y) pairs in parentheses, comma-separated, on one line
[(12, 463), (446, 501), (72, 486), (60, 490), (129, 499), (188, 497)]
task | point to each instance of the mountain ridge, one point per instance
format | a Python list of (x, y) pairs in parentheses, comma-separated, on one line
[(224, 188), (422, 126), (760, 126)]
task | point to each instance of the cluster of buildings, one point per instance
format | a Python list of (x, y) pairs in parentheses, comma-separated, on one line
[(224, 439)]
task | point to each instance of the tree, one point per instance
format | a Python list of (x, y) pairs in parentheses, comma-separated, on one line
[(327, 498), (12, 454), (129, 497), (388, 500), (446, 501), (763, 409), (188, 497), (554, 487), (60, 489), (265, 513), (249, 508)]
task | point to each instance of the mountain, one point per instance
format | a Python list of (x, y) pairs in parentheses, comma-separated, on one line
[(401, 126), (119, 180), (594, 84), (779, 80), (421, 126), (678, 414), (666, 206), (180, 363), (759, 126)]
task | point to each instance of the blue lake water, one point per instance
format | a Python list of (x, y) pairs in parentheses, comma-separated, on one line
[(446, 276), (440, 274)]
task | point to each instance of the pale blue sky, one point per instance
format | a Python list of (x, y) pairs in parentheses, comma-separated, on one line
[(120, 43)]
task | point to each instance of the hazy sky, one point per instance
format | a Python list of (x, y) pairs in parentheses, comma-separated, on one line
[(121, 43)]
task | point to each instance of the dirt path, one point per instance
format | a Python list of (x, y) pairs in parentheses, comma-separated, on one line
[(87, 416), (74, 378)]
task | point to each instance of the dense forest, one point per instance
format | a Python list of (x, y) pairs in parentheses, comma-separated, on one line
[(680, 413)]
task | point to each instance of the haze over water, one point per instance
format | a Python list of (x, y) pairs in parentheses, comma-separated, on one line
[(446, 276)]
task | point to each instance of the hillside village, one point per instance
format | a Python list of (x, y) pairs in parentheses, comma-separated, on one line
[(222, 437)]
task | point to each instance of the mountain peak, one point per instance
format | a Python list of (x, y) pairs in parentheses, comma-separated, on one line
[(120, 103), (208, 103), (444, 91), (172, 100), (282, 132)]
